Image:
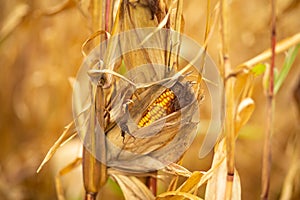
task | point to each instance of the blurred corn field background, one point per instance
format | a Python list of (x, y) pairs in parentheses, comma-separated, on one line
[(40, 53)]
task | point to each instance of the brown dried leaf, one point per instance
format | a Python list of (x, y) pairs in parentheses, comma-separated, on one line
[(146, 147), (243, 85), (191, 183), (216, 185), (175, 195), (134, 16), (91, 38), (59, 189), (186, 189), (176, 169), (67, 135), (244, 112), (132, 187), (176, 23)]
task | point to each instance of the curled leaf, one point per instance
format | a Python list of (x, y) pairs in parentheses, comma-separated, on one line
[(190, 184), (174, 195), (66, 136), (244, 112), (133, 188), (216, 185)]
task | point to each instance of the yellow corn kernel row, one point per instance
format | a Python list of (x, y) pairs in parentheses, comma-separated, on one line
[(159, 108)]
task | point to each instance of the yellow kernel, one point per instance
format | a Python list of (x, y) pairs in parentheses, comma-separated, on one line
[(155, 117), (157, 108), (160, 111), (146, 118), (166, 101)]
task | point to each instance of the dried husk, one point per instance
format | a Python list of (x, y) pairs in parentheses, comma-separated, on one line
[(163, 141)]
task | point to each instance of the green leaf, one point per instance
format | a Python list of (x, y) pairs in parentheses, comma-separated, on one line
[(288, 62), (258, 69), (122, 70), (114, 186)]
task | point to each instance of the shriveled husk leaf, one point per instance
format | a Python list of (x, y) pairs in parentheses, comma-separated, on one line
[(176, 169), (141, 14), (191, 183), (71, 166), (243, 86), (152, 147), (67, 135), (174, 195), (244, 112), (216, 185), (132, 187)]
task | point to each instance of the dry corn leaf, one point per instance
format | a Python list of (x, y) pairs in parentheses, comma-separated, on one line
[(216, 185), (244, 112), (173, 184), (132, 187), (243, 87), (62, 172), (174, 181), (176, 23), (207, 175), (145, 147), (176, 169), (141, 14), (175, 195), (66, 136), (191, 183), (91, 38)]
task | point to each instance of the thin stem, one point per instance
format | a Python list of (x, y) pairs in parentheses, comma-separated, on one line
[(267, 156), (230, 104), (281, 46), (273, 45), (151, 183)]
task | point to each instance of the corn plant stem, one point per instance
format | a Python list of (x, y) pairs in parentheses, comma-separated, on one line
[(203, 56), (94, 172), (267, 156), (229, 102), (151, 183), (90, 197), (281, 46), (177, 28), (108, 15)]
